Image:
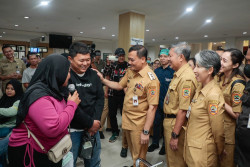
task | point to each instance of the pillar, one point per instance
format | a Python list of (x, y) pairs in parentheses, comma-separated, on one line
[(131, 25)]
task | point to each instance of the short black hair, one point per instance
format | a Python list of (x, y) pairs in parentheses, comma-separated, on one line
[(6, 46), (78, 47), (193, 60), (32, 53), (141, 51)]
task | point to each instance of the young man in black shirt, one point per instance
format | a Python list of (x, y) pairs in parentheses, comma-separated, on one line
[(88, 114)]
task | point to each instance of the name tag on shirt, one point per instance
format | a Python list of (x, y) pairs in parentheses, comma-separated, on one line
[(188, 112), (135, 100)]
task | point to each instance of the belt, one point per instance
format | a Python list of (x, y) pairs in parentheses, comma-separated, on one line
[(169, 116)]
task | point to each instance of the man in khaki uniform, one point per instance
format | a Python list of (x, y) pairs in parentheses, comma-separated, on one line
[(140, 102), (10, 68), (180, 93)]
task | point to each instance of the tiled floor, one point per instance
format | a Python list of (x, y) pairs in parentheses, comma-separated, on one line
[(110, 153)]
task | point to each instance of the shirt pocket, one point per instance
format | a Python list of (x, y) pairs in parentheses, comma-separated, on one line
[(173, 96)]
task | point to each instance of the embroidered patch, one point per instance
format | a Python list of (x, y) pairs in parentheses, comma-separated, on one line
[(236, 98), (186, 92), (213, 109), (152, 92), (139, 86)]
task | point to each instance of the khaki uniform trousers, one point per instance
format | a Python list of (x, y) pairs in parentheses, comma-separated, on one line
[(105, 115), (228, 160), (174, 158), (124, 140), (137, 150)]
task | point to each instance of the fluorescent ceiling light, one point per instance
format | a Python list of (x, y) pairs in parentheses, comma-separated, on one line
[(26, 17), (176, 37), (205, 36), (103, 28), (113, 35), (244, 33), (208, 21), (1, 36), (189, 9), (153, 39), (81, 32), (16, 25), (147, 30), (44, 3)]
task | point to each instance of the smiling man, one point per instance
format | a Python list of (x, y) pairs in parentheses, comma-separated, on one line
[(140, 102), (180, 93), (88, 114)]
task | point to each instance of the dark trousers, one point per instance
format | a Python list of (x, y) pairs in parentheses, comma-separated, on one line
[(16, 158), (115, 102), (158, 126)]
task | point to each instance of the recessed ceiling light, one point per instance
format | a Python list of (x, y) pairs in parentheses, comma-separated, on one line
[(176, 37), (113, 35), (147, 30), (44, 3), (26, 17), (81, 32), (189, 9), (4, 32), (208, 21), (153, 39), (205, 36), (1, 36), (103, 28), (215, 43), (16, 25), (244, 33), (42, 36)]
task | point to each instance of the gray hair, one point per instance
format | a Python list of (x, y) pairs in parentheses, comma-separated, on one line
[(182, 48), (208, 59)]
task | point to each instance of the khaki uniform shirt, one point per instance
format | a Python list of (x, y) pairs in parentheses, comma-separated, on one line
[(181, 90), (232, 98), (206, 120), (7, 67), (145, 85)]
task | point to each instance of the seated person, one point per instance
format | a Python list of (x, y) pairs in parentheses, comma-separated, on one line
[(8, 110)]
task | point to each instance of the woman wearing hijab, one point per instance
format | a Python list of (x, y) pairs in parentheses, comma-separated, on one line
[(8, 110), (45, 112)]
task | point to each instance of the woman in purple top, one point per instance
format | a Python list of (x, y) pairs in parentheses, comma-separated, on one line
[(45, 112)]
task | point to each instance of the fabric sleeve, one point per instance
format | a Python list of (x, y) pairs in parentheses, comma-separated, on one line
[(99, 104), (46, 117), (237, 92), (25, 78), (215, 105), (186, 91), (124, 80), (11, 111), (107, 70), (153, 92)]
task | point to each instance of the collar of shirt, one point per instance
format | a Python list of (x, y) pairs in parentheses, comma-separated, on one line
[(207, 87), (182, 69), (143, 71)]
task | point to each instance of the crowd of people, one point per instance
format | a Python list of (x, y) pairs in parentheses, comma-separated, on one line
[(199, 106)]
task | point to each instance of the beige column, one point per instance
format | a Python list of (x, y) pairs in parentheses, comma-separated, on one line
[(131, 25)]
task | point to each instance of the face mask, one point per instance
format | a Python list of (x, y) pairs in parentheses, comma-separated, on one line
[(148, 61), (247, 70)]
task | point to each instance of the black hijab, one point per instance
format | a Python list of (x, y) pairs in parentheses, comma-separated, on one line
[(47, 80), (5, 101)]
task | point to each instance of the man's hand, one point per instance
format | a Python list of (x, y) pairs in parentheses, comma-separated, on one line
[(173, 144), (99, 74), (144, 138), (95, 127)]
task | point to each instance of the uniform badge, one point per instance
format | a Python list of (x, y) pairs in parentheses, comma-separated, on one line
[(236, 98), (152, 92), (213, 109), (167, 98), (151, 76), (186, 92)]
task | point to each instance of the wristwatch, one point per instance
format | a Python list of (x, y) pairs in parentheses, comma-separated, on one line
[(174, 135), (145, 132)]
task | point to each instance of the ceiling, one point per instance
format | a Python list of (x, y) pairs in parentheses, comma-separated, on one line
[(165, 19)]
